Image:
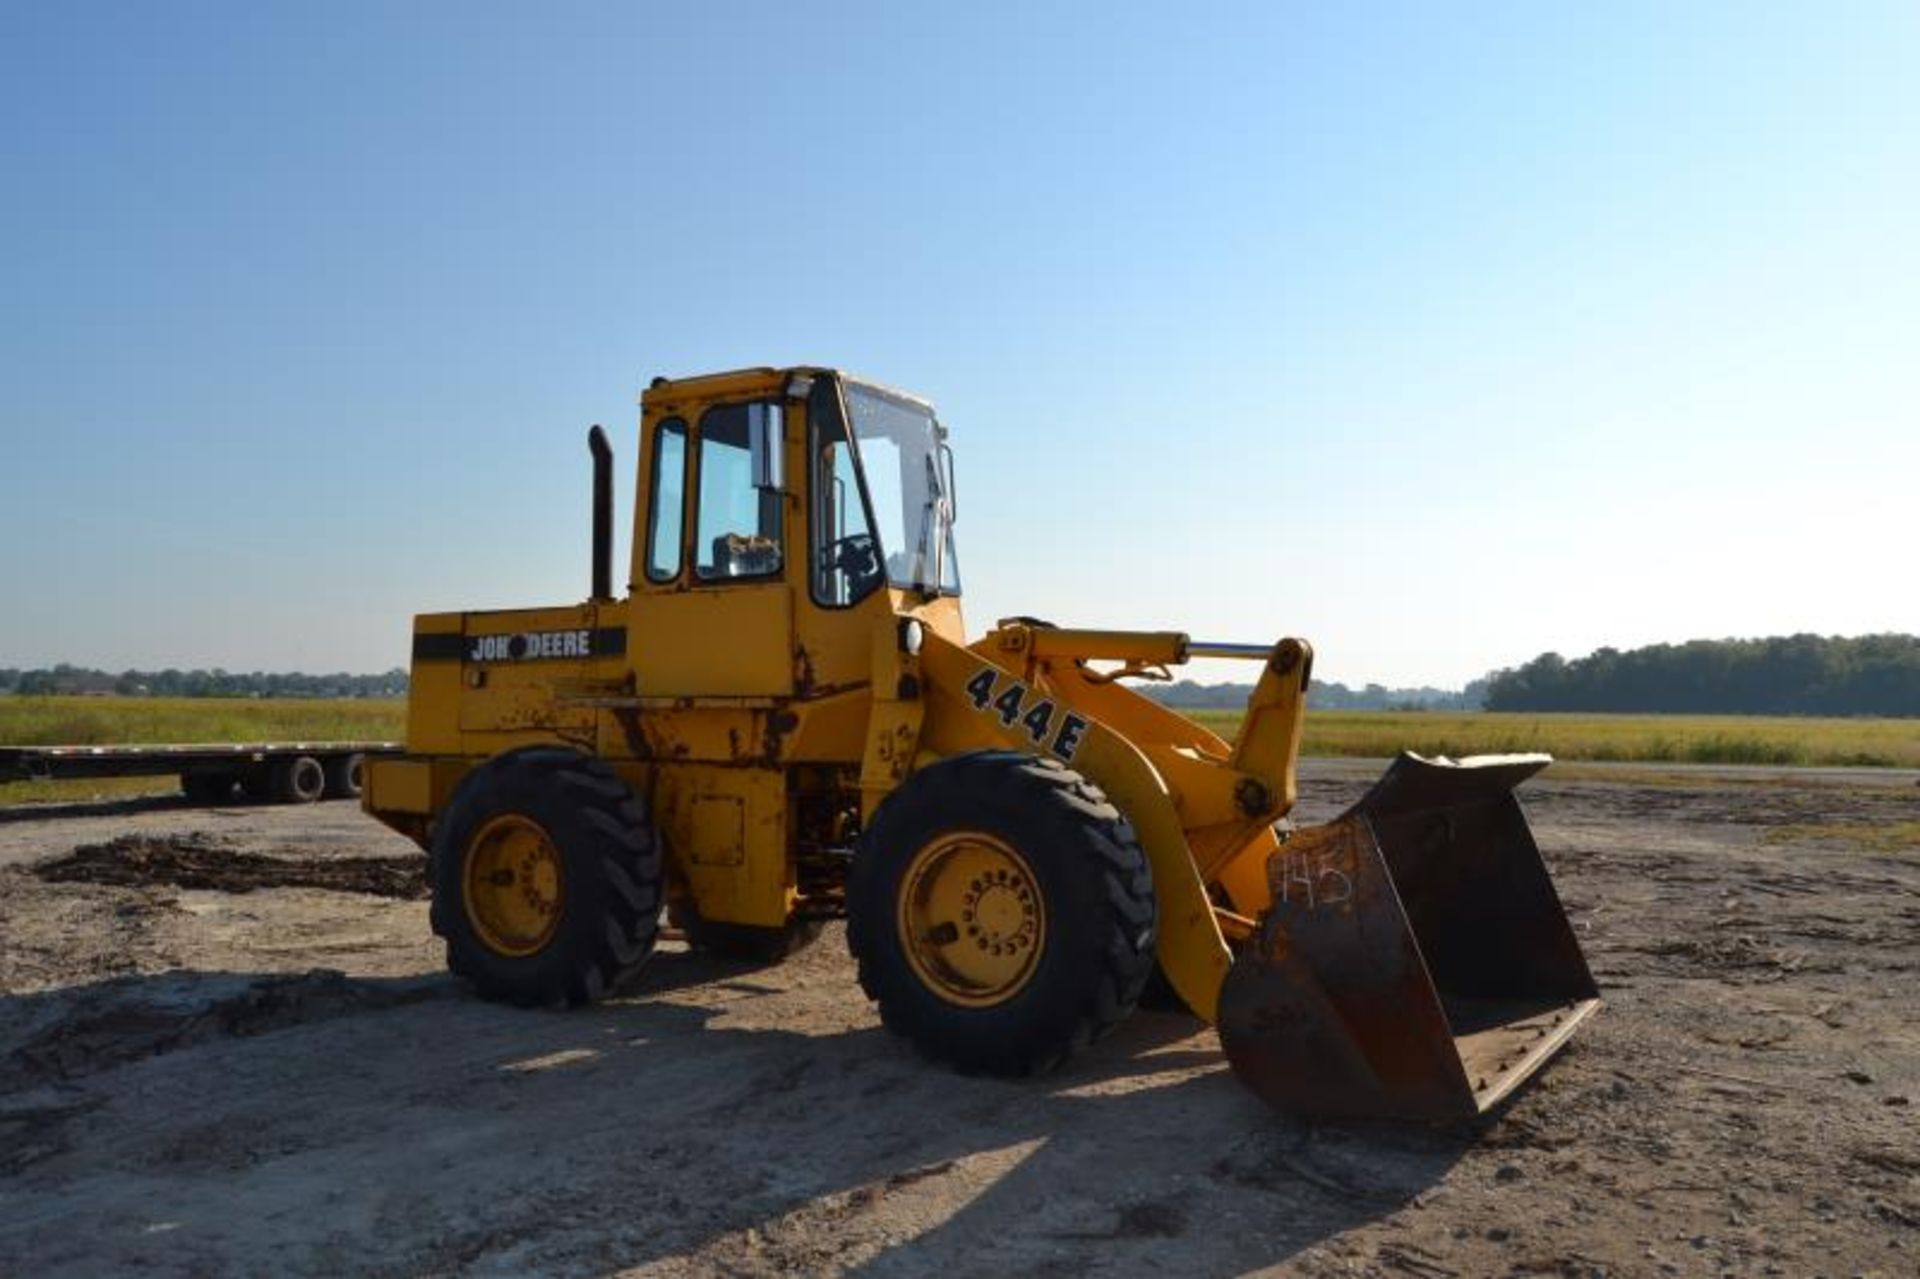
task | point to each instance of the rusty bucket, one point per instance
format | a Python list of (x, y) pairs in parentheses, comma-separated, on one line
[(1416, 962)]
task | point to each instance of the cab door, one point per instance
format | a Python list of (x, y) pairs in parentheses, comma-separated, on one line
[(713, 615)]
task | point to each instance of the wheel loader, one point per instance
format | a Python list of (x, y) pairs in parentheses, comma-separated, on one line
[(782, 721)]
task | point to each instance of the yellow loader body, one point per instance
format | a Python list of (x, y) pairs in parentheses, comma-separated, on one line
[(784, 692)]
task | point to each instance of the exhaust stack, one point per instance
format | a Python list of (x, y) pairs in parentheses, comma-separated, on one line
[(602, 513)]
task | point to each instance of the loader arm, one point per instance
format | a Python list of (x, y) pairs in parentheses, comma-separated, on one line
[(1203, 808), (1229, 794)]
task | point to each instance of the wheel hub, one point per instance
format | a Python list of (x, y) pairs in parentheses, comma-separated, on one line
[(515, 884), (971, 918)]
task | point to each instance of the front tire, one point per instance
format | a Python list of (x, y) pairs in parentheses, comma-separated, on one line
[(546, 879), (1001, 911)]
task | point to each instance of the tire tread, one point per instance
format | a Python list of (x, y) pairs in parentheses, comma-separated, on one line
[(614, 940), (1127, 902)]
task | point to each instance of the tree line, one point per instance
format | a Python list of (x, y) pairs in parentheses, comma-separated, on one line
[(68, 679), (1187, 695), (1780, 675)]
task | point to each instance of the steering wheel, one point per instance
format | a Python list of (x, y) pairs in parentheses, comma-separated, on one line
[(857, 556)]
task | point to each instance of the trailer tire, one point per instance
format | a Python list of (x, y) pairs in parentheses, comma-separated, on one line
[(577, 913), (345, 775), (1053, 891), (298, 780), (205, 787)]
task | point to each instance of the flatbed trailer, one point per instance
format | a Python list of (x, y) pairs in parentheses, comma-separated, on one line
[(209, 772)]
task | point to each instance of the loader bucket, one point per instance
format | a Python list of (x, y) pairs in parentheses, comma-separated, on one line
[(1416, 963)]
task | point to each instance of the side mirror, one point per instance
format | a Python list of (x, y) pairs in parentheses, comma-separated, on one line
[(953, 489), (763, 444)]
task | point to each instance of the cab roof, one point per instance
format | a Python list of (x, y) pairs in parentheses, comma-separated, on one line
[(763, 380)]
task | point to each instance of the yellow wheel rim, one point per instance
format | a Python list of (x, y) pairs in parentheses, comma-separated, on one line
[(971, 918), (515, 885)]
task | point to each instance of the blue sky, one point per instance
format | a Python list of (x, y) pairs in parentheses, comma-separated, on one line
[(1441, 335)]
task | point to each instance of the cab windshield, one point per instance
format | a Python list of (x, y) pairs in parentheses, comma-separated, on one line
[(909, 479)]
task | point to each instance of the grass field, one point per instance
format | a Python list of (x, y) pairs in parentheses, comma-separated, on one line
[(1696, 739), (1666, 739), (94, 721)]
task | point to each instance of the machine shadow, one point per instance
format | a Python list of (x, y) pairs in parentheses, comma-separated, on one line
[(721, 1131), (1144, 1151)]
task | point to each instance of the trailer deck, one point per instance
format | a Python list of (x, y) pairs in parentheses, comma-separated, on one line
[(293, 772)]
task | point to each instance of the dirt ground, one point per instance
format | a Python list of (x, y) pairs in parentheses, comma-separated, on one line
[(227, 1046)]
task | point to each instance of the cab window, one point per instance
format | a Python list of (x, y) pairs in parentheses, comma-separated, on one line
[(737, 524), (669, 489), (846, 557)]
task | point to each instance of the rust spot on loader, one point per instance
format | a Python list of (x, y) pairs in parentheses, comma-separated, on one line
[(627, 719), (780, 723)]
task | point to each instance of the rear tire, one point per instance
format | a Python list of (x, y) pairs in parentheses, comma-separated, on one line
[(1004, 831), (344, 776), (299, 780), (595, 903)]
